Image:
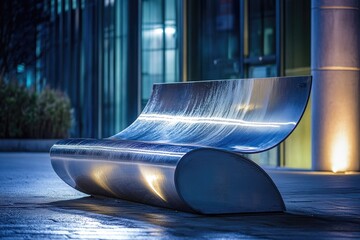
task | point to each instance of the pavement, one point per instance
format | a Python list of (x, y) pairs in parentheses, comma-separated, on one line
[(36, 204)]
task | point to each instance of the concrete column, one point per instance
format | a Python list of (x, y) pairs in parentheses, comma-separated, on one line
[(335, 63)]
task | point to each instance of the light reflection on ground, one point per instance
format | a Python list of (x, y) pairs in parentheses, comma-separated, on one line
[(36, 204)]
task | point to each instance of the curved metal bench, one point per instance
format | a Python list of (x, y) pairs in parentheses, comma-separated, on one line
[(184, 150)]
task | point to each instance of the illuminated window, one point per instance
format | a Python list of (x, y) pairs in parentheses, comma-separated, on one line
[(160, 54), (59, 6), (74, 4)]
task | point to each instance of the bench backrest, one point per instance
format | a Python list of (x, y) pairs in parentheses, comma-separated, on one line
[(242, 115)]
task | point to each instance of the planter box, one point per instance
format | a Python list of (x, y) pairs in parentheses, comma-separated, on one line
[(26, 145)]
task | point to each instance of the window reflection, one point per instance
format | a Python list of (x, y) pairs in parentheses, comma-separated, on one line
[(262, 71), (261, 18), (87, 57), (213, 39), (160, 57), (260, 38)]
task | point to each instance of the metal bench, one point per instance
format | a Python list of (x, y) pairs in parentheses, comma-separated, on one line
[(186, 149)]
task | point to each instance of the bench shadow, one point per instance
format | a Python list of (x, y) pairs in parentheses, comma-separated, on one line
[(180, 224)]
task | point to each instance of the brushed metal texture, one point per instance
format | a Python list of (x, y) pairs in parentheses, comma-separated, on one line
[(184, 150)]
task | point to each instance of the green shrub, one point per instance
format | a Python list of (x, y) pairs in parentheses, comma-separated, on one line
[(27, 114)]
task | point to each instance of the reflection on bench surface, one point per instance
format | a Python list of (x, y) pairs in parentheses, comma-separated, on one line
[(185, 149)]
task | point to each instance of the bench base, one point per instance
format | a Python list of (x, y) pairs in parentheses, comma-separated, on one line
[(201, 180)]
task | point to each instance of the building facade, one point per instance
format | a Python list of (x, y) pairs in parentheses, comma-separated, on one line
[(106, 54)]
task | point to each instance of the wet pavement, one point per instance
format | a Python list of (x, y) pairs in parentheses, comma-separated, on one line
[(36, 204)]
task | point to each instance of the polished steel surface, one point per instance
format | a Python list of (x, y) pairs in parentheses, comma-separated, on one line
[(179, 152), (247, 116)]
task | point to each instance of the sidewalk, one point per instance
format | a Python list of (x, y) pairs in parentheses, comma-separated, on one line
[(36, 204)]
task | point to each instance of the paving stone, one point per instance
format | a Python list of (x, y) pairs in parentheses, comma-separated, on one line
[(36, 204)]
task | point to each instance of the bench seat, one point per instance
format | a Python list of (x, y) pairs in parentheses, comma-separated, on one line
[(186, 149)]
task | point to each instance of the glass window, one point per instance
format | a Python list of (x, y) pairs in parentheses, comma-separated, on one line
[(88, 57), (297, 148), (297, 37), (53, 10), (260, 38), (74, 4), (213, 39), (59, 6), (159, 44), (259, 71), (261, 19), (67, 5)]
